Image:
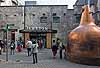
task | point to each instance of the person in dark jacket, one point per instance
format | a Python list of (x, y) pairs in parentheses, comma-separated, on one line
[(12, 47), (61, 48), (1, 47), (54, 49)]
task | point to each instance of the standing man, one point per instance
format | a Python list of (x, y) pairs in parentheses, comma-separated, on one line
[(34, 51), (61, 48), (29, 44)]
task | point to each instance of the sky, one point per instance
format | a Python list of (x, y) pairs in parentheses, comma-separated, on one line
[(70, 3)]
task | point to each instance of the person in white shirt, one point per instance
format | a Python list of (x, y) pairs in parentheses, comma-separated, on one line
[(34, 51), (29, 44)]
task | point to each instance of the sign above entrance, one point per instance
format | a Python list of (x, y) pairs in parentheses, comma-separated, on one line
[(37, 28)]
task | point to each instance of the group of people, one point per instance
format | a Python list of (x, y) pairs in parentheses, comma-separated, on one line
[(3, 45), (57, 45), (14, 46), (32, 48)]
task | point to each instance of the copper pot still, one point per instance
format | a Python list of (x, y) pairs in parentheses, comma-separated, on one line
[(84, 41)]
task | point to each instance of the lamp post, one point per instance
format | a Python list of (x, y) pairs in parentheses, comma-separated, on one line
[(6, 29), (6, 42), (24, 26)]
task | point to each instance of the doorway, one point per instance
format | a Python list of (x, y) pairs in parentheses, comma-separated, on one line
[(13, 35), (39, 37)]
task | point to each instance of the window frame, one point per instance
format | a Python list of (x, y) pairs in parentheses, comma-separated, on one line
[(56, 19), (43, 19)]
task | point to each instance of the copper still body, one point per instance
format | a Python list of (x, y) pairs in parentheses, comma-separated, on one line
[(84, 41)]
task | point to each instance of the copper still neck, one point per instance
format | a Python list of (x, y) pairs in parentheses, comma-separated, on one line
[(86, 18)]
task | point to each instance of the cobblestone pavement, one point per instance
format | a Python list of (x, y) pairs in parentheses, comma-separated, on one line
[(45, 60)]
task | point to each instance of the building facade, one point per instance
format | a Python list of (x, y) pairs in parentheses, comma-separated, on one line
[(50, 17)]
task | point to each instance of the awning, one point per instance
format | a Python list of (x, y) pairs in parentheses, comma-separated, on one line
[(37, 31)]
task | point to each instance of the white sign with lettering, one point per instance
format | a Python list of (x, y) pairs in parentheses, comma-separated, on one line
[(37, 28)]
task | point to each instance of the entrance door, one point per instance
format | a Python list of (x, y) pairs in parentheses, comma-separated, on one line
[(13, 36), (38, 37)]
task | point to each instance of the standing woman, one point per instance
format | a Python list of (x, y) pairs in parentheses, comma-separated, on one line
[(34, 51), (18, 46), (54, 49)]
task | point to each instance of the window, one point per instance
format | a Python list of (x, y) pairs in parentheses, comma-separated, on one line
[(86, 1), (43, 19), (1, 16), (56, 19), (78, 17)]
